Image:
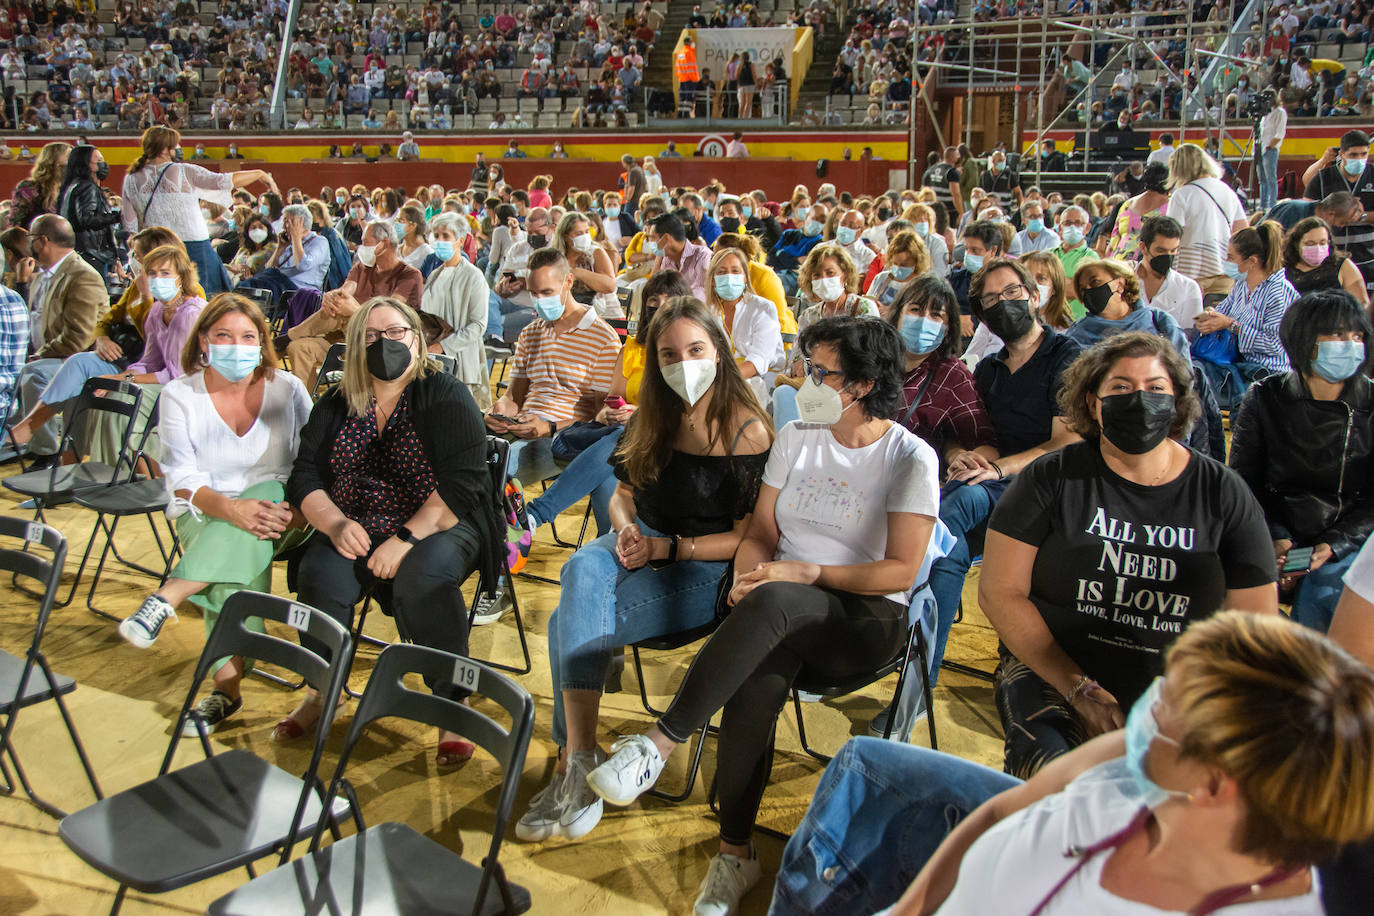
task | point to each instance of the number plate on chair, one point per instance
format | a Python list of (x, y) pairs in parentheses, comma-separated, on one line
[(33, 533), (298, 617), (465, 674)]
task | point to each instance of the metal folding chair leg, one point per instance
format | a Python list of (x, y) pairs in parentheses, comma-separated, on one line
[(519, 627), (107, 529), (7, 749)]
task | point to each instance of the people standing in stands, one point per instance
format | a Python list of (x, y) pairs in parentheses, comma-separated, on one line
[(822, 581), (1209, 212), (1311, 264), (1348, 172), (1273, 128), (1304, 442), (392, 475), (1161, 285), (688, 472), (37, 194), (457, 292), (229, 427), (160, 191), (1100, 554), (82, 202), (1252, 312)]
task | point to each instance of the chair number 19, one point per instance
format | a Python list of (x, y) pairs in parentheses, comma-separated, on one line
[(298, 617), (465, 674), (33, 533)]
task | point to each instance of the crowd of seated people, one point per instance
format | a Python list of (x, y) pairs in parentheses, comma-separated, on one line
[(787, 415)]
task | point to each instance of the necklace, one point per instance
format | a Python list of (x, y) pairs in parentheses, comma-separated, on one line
[(1167, 465)]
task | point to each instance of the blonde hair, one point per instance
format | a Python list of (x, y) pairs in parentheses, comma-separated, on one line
[(909, 243), (813, 263), (720, 255), (1289, 716), (1114, 269), (356, 386), (47, 171), (1188, 163), (1056, 312)]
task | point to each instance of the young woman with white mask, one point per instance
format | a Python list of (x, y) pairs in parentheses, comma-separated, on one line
[(689, 467)]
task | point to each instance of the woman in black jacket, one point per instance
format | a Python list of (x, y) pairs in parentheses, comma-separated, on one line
[(392, 474), (1303, 441), (83, 203)]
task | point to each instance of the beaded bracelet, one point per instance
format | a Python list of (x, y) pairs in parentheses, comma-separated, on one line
[(1083, 684)]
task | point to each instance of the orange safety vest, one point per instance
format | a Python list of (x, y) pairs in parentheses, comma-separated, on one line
[(685, 65)]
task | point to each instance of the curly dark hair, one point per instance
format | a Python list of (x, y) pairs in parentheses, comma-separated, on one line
[(869, 351), (1085, 375)]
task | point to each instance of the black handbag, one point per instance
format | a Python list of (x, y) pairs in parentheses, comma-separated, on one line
[(127, 338)]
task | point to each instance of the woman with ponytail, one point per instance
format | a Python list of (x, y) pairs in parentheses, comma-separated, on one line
[(1252, 312), (159, 191)]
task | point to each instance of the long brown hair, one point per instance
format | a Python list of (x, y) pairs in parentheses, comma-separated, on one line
[(156, 141), (647, 444), (47, 171)]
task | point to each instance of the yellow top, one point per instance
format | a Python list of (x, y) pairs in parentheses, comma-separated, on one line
[(1325, 63), (632, 368), (767, 285)]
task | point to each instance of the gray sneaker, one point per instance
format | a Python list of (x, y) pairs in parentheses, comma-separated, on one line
[(142, 627), (212, 710), (490, 610), (581, 806), (901, 730)]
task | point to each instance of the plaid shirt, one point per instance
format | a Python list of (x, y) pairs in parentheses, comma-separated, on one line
[(949, 410), (14, 345), (1257, 316)]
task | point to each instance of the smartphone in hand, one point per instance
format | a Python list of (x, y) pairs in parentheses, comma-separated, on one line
[(1298, 562)]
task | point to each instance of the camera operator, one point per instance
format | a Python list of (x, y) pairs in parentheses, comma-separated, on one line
[(1273, 124)]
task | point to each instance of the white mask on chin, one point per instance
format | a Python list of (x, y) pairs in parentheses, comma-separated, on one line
[(690, 378)]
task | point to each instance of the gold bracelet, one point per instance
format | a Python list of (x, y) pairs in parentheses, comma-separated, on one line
[(694, 549), (1083, 684)]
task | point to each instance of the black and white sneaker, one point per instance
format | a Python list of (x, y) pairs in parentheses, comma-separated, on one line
[(634, 767), (490, 610), (141, 629), (212, 710)]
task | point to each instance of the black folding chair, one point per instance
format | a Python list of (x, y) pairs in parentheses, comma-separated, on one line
[(267, 302), (391, 868), (59, 483), (498, 466), (669, 643), (331, 371), (227, 810), (20, 684)]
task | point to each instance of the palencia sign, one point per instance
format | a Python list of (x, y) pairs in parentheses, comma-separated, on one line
[(716, 46)]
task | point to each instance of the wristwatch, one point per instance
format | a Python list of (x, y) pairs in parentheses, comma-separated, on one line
[(403, 534), (672, 554)]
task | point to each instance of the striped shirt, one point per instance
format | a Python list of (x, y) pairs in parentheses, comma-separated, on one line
[(950, 409), (566, 368), (14, 345), (1257, 315), (1207, 208)]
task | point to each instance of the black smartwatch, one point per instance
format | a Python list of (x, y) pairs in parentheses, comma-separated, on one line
[(672, 554), (403, 534)]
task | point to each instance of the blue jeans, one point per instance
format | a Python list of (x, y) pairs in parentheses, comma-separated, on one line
[(880, 812), (965, 511), (506, 319), (1269, 178), (784, 406), (1230, 381), (32, 382), (603, 605), (74, 374), (589, 474), (531, 460), (1315, 601)]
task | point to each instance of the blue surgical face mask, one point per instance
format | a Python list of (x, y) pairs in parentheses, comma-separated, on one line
[(845, 235), (1353, 167), (234, 361), (746, 212), (729, 286), (550, 308), (163, 289), (812, 227), (1232, 270), (443, 249), (922, 228), (973, 262), (920, 334), (902, 274), (1338, 360), (1035, 225), (650, 247), (1071, 235), (612, 213), (1142, 730)]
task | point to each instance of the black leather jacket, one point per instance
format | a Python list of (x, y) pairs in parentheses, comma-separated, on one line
[(1310, 463), (84, 205)]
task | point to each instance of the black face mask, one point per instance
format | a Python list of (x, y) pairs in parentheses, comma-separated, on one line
[(538, 241), (102, 170), (884, 215), (1010, 319), (388, 359), (1161, 264), (729, 224), (1095, 300), (1137, 422)]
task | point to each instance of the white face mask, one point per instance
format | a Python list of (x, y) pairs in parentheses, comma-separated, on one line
[(1044, 293), (690, 378), (367, 255), (828, 289), (582, 242), (258, 235), (820, 404)]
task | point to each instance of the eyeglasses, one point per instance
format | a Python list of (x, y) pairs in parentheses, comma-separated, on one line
[(817, 374), (1015, 291), (371, 336)]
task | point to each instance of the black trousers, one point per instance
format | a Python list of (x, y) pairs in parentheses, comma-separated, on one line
[(425, 597), (749, 664)]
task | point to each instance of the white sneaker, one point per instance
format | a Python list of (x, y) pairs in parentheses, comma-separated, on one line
[(541, 821), (142, 627), (633, 769), (727, 880), (581, 807)]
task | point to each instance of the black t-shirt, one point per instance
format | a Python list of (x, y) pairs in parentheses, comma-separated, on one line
[(1022, 405), (697, 495), (1123, 569), (1355, 239)]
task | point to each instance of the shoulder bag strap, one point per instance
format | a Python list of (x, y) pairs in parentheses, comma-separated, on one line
[(920, 393), (143, 218), (743, 426)]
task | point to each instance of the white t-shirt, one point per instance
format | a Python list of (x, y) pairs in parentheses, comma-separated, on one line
[(833, 501), (1206, 208), (1178, 295), (200, 450), (1359, 578), (1025, 852)]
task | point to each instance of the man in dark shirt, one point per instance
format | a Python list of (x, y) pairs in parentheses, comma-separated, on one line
[(1349, 173), (943, 178)]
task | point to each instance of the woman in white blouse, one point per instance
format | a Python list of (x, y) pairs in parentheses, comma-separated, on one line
[(230, 428), (457, 292), (750, 320), (415, 247), (159, 191)]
